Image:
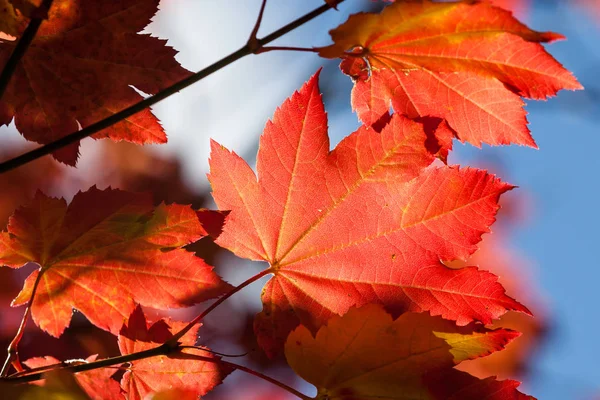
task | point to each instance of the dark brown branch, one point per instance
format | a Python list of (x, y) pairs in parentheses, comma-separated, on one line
[(253, 40), (163, 94), (23, 44), (166, 348), (27, 376)]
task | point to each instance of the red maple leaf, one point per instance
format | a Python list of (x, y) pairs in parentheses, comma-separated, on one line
[(465, 62), (79, 70), (102, 254), (364, 223), (181, 371)]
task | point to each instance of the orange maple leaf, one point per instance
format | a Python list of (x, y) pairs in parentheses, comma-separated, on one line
[(466, 62), (367, 222)]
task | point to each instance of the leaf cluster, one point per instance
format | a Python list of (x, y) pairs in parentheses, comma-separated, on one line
[(357, 240)]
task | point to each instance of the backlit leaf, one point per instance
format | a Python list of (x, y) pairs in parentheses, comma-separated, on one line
[(367, 222), (103, 253), (97, 384), (467, 62), (365, 354), (159, 373)]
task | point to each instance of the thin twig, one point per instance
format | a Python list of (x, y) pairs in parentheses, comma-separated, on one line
[(13, 354), (254, 373), (163, 94), (253, 40), (23, 44), (20, 378), (173, 340), (28, 376), (286, 48), (214, 352), (166, 348)]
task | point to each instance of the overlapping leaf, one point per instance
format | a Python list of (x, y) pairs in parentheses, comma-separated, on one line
[(363, 223), (29, 8), (79, 70), (367, 354), (9, 23), (97, 384), (466, 62), (182, 371), (58, 385), (102, 254)]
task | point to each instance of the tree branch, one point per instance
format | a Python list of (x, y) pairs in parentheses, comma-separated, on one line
[(253, 40), (27, 376), (173, 341), (252, 372), (23, 44), (168, 347), (163, 94)]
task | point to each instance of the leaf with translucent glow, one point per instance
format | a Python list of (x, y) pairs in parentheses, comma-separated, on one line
[(367, 222), (155, 374), (465, 62), (176, 394), (81, 67), (102, 254), (366, 354)]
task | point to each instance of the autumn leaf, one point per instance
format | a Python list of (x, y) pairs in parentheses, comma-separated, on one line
[(105, 252), (9, 23), (30, 8), (176, 394), (363, 223), (80, 69), (465, 62), (97, 384), (181, 371), (367, 354), (57, 385)]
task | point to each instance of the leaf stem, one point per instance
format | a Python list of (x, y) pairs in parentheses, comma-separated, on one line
[(214, 352), (163, 94), (286, 48), (23, 44), (166, 348), (13, 354), (252, 372), (175, 338)]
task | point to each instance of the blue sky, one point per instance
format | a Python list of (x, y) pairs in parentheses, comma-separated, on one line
[(561, 238)]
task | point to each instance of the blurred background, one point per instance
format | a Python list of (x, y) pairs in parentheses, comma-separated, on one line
[(543, 245)]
